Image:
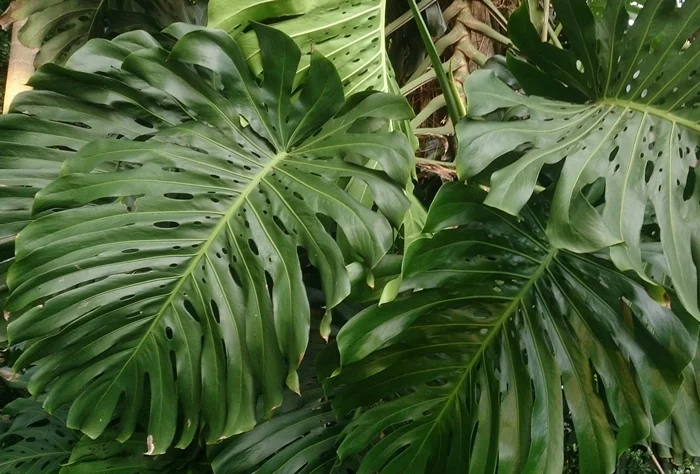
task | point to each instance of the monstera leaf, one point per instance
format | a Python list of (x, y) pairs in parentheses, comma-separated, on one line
[(680, 433), (300, 438), (171, 274), (350, 34), (465, 373), (60, 27), (628, 133), (108, 456), (33, 442), (68, 109)]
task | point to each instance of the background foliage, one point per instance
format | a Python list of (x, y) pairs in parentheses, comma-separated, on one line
[(194, 218)]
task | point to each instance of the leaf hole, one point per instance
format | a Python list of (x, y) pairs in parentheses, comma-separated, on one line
[(215, 311), (179, 196), (253, 247), (189, 307), (166, 224)]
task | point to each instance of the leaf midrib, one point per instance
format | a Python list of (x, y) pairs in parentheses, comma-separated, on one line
[(223, 222), (653, 111), (507, 313)]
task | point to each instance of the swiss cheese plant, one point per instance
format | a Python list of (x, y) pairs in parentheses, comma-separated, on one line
[(167, 271), (212, 258), (624, 129)]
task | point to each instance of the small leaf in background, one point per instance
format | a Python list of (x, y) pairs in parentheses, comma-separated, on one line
[(58, 28), (32, 441)]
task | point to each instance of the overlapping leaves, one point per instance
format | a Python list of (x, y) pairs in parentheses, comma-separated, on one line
[(171, 276), (301, 437), (465, 374), (92, 98), (60, 27), (32, 441), (628, 152), (680, 433), (350, 33)]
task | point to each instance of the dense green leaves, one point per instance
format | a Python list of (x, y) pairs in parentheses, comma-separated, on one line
[(68, 109), (465, 373), (32, 441), (349, 32), (680, 433), (108, 456), (173, 275), (633, 143), (300, 438), (60, 27)]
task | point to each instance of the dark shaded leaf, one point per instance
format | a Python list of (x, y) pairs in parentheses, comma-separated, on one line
[(465, 373), (33, 442)]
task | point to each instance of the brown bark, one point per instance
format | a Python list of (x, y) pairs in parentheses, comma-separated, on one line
[(472, 48)]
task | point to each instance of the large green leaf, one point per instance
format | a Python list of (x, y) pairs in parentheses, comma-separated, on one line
[(635, 138), (69, 108), (349, 33), (33, 442), (465, 373), (60, 27), (173, 275)]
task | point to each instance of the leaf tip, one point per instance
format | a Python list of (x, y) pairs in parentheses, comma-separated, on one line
[(293, 382), (325, 328), (150, 445), (370, 279)]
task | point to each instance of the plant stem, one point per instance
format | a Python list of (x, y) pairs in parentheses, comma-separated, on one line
[(553, 36), (486, 30), (443, 80), (655, 461), (406, 17), (444, 130), (545, 20), (446, 164), (499, 16)]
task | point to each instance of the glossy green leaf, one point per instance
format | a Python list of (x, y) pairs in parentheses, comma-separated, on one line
[(300, 438), (465, 374), (174, 268), (348, 33), (60, 27), (631, 128), (33, 442), (92, 98)]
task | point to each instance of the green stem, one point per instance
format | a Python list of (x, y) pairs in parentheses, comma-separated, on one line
[(406, 17), (499, 16), (545, 20), (486, 30), (553, 36), (444, 130), (443, 80), (446, 164)]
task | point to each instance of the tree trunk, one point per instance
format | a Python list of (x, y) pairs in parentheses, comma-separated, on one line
[(19, 69)]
